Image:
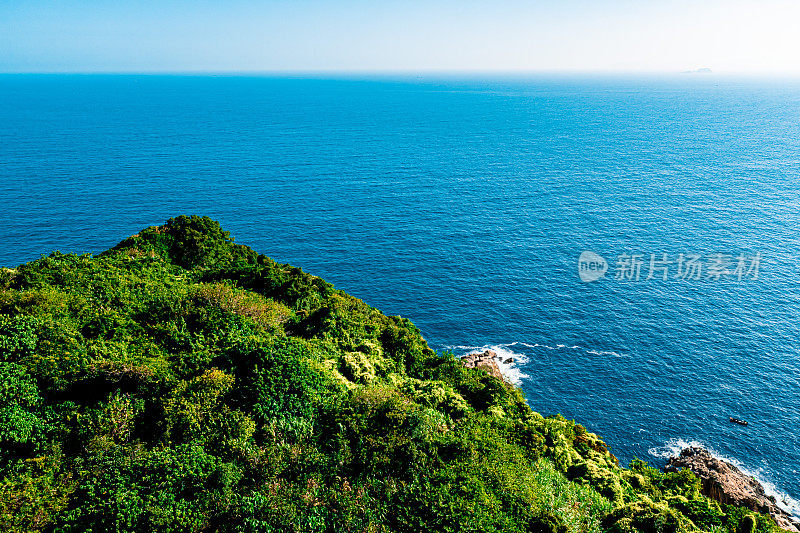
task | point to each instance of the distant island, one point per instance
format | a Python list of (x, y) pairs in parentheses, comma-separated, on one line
[(180, 382)]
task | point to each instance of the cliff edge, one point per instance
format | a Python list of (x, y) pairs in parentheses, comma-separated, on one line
[(726, 484)]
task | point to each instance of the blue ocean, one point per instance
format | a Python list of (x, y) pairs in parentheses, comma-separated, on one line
[(464, 204)]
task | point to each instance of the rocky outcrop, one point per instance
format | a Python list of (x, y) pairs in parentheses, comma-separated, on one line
[(725, 483), (486, 360)]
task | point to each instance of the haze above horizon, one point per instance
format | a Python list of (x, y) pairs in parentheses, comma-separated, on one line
[(415, 36)]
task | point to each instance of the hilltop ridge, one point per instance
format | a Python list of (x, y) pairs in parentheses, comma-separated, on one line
[(183, 382)]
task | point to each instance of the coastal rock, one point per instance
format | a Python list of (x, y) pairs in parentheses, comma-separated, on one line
[(486, 360), (725, 483)]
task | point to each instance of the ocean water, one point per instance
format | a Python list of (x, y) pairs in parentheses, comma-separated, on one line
[(464, 204)]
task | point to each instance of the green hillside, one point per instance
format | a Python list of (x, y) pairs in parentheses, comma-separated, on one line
[(182, 382)]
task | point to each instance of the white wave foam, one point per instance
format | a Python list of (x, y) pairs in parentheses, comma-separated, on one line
[(673, 448), (564, 346), (510, 370), (606, 352)]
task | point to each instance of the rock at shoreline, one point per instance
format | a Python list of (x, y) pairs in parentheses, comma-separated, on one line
[(725, 483), (486, 360)]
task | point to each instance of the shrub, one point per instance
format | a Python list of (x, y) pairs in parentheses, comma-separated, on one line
[(19, 407), (181, 382), (18, 337), (748, 524), (265, 312), (646, 516)]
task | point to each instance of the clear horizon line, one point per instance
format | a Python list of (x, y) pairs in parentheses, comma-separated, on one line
[(403, 72)]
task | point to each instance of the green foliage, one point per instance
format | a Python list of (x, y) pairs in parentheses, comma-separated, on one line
[(740, 519), (748, 524), (18, 337), (182, 382), (19, 406), (646, 516), (33, 493), (276, 381), (191, 242), (269, 314)]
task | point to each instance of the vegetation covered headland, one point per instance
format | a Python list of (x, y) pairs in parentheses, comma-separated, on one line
[(180, 382)]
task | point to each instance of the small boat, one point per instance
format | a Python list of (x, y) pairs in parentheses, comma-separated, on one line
[(737, 421)]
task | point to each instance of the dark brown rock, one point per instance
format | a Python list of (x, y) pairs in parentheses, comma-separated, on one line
[(725, 483)]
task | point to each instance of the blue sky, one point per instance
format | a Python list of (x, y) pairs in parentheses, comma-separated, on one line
[(417, 36)]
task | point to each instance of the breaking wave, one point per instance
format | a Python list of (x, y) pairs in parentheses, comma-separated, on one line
[(512, 358), (506, 352), (508, 360), (673, 448)]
